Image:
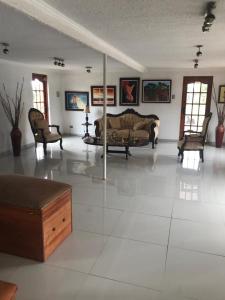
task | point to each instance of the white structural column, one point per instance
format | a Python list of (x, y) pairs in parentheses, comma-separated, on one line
[(104, 117)]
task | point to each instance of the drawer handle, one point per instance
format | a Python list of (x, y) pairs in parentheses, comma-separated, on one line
[(53, 229), (64, 219)]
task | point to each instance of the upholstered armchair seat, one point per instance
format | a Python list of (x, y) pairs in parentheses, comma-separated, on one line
[(41, 132)]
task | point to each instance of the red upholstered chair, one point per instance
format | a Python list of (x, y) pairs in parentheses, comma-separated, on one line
[(7, 291)]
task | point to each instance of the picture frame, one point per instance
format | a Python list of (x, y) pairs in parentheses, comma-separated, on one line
[(156, 90), (221, 98), (129, 91), (76, 101), (97, 95)]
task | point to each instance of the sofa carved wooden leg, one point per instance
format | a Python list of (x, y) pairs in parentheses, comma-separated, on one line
[(182, 156), (61, 146), (153, 145), (201, 154), (45, 148), (156, 141)]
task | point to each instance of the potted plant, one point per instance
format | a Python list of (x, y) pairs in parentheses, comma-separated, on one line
[(13, 109), (220, 109)]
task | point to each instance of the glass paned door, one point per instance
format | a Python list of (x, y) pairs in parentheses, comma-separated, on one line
[(196, 102), (40, 96)]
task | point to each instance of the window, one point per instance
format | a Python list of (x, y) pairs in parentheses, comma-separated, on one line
[(40, 95)]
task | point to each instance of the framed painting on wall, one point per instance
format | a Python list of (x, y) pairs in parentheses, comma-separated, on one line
[(129, 91), (156, 91), (76, 101), (97, 96), (221, 94)]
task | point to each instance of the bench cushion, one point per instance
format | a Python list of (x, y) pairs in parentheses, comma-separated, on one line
[(29, 192)]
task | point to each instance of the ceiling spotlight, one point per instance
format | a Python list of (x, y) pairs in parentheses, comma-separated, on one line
[(59, 62), (5, 48), (209, 16), (199, 53), (88, 69), (196, 63)]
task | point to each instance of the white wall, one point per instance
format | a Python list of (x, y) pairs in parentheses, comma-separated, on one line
[(10, 74), (169, 114)]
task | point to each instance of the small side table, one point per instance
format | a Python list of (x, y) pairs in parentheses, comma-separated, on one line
[(87, 124)]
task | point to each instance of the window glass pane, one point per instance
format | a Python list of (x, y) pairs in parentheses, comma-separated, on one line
[(196, 98), (190, 87), (186, 128), (195, 109), (200, 120), (197, 86), (202, 109), (187, 120), (38, 97), (188, 109), (204, 88), (189, 97), (200, 129), (194, 128), (194, 120), (203, 98)]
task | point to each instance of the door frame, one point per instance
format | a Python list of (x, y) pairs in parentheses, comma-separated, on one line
[(187, 79)]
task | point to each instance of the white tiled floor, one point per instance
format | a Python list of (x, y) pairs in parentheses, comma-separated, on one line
[(155, 230)]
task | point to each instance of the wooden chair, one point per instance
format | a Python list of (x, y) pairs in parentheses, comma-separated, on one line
[(40, 129), (194, 141)]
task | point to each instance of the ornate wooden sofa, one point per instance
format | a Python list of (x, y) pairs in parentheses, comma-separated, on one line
[(131, 124)]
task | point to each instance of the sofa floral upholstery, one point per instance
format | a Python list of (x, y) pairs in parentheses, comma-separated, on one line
[(130, 125)]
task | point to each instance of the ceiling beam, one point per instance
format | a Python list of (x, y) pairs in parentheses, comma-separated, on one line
[(48, 15)]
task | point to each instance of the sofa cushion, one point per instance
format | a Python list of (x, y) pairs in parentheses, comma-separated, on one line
[(114, 123), (139, 125), (139, 134)]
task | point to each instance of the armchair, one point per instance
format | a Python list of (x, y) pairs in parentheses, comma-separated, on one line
[(194, 141), (40, 129)]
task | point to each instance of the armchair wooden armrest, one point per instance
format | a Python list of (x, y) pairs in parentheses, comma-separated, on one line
[(57, 128), (97, 127)]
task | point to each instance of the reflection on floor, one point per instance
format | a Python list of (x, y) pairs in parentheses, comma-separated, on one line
[(154, 230)]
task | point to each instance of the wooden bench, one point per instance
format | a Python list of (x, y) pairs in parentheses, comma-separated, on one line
[(35, 215), (7, 291)]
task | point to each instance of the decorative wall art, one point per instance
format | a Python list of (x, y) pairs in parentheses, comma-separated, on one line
[(129, 91), (221, 94), (156, 91), (97, 96), (76, 101)]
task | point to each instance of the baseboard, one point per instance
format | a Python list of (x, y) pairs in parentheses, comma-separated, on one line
[(9, 152)]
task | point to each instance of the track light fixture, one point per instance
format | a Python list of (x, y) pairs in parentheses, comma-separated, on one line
[(88, 69), (59, 62), (5, 48), (199, 52), (209, 16), (196, 63)]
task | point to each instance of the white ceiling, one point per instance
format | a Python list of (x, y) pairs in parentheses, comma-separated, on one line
[(34, 43), (155, 33)]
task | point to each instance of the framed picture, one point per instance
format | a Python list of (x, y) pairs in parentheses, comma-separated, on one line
[(97, 95), (76, 100), (156, 91), (221, 94), (129, 91)]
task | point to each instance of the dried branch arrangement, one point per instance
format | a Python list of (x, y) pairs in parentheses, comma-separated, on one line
[(13, 108)]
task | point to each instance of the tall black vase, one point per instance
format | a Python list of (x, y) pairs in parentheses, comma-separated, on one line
[(16, 136)]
